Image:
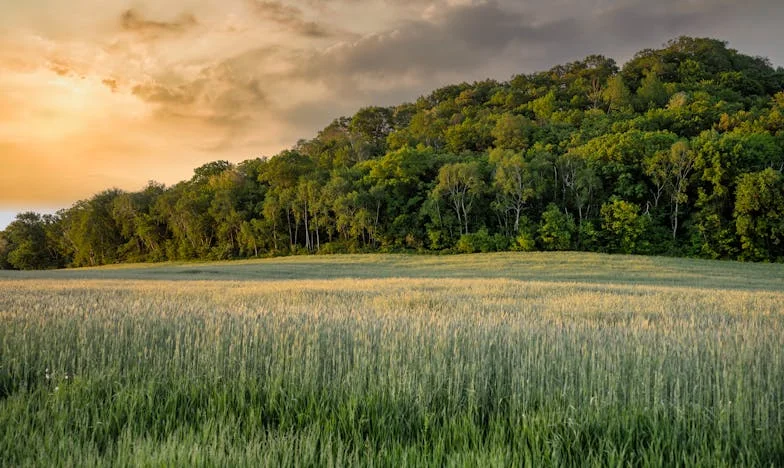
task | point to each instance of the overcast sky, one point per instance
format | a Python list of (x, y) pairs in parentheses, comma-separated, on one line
[(97, 94)]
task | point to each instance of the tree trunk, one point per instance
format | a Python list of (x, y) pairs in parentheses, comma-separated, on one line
[(675, 220), (291, 234), (307, 229), (465, 216)]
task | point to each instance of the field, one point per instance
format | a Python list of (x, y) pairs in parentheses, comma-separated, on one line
[(481, 360)]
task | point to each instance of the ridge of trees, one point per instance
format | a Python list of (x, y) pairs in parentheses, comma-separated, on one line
[(679, 152)]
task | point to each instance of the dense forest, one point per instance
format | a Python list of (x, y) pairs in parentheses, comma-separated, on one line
[(678, 152)]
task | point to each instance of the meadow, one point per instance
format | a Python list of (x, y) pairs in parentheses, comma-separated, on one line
[(525, 359)]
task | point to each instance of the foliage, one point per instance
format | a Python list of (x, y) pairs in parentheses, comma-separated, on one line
[(556, 229), (24, 244), (758, 206), (624, 226), (673, 132), (482, 241)]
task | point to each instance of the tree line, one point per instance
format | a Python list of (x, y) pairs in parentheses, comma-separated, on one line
[(679, 152)]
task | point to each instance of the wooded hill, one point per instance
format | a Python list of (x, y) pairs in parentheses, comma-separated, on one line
[(679, 152)]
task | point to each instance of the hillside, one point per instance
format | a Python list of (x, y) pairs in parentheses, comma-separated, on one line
[(679, 152)]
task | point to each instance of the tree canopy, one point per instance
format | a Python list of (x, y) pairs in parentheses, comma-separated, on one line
[(679, 152)]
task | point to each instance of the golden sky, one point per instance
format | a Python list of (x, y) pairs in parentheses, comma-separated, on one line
[(98, 94)]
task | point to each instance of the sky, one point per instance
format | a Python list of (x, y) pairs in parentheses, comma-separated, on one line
[(97, 94)]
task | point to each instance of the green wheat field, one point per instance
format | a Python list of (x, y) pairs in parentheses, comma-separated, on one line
[(534, 359)]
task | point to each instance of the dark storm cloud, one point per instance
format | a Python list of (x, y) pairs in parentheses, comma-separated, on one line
[(463, 36), (503, 37), (642, 21), (458, 40), (617, 29), (485, 25)]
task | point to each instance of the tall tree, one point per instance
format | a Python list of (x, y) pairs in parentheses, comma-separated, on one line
[(616, 94), (25, 243), (556, 229), (670, 172), (92, 231), (624, 225), (652, 92), (369, 129), (461, 183), (512, 132), (759, 215), (512, 183)]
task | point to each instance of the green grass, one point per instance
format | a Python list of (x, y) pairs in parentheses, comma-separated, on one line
[(480, 360), (546, 266)]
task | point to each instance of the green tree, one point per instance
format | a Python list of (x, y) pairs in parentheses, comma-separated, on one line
[(282, 174), (5, 249), (670, 172), (401, 181), (426, 128), (556, 229), (759, 215), (225, 210), (512, 183), (26, 244), (512, 132), (250, 237), (369, 129), (471, 134), (142, 233), (617, 158), (623, 225), (271, 210), (652, 92), (92, 232), (544, 106), (203, 173), (720, 160), (579, 184), (616, 95), (691, 71), (460, 183)]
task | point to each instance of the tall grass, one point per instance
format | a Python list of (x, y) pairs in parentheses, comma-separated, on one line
[(397, 371)]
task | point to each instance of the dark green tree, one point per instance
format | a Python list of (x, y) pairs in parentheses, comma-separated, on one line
[(623, 225), (461, 184), (23, 245), (556, 229), (759, 215)]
